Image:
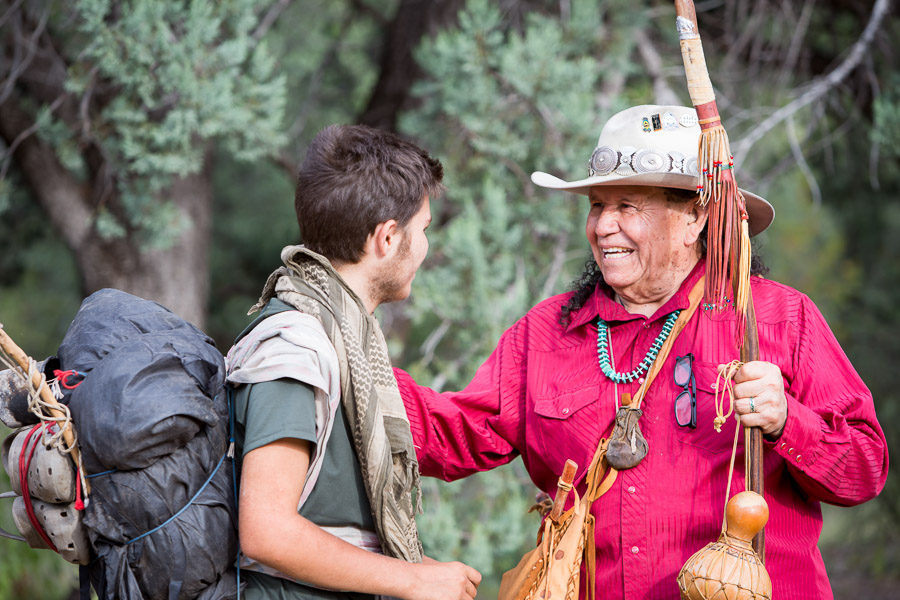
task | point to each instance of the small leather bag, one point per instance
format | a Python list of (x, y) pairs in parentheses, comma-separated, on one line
[(627, 446), (553, 568)]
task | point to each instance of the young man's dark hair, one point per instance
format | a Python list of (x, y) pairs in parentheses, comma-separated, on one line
[(355, 177)]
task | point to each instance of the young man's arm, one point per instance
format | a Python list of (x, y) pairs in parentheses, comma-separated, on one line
[(273, 533)]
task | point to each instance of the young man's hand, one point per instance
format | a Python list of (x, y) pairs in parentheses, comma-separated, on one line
[(444, 581)]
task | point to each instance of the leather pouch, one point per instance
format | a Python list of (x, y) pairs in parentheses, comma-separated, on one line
[(627, 446)]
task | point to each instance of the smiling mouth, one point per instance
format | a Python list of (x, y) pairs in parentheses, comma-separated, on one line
[(617, 252)]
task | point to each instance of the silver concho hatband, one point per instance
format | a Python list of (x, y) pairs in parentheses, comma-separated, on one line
[(630, 161)]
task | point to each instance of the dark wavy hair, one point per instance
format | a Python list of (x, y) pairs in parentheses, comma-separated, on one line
[(591, 277), (355, 177)]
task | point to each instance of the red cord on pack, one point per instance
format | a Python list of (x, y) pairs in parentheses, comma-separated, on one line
[(24, 464), (63, 378), (79, 503)]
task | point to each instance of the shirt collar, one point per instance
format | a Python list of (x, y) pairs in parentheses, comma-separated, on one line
[(602, 302)]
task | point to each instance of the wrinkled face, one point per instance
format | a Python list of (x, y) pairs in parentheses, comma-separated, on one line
[(394, 283), (642, 242)]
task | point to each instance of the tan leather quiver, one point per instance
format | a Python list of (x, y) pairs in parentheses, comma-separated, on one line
[(553, 568)]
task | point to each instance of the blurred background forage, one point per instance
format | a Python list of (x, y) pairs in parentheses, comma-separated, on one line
[(150, 145)]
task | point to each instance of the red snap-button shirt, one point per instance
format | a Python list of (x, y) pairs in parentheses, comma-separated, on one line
[(541, 395)]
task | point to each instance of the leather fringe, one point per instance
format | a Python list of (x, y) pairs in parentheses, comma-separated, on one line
[(728, 241)]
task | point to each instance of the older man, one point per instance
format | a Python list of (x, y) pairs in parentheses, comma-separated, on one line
[(328, 477), (553, 386)]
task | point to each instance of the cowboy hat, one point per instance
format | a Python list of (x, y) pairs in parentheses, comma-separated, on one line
[(652, 146)]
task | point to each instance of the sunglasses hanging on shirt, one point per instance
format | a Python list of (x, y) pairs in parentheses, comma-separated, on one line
[(686, 400)]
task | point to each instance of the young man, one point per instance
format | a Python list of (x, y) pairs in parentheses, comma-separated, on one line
[(328, 467)]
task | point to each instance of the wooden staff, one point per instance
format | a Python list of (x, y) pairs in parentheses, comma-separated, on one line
[(24, 361), (728, 263), (753, 457)]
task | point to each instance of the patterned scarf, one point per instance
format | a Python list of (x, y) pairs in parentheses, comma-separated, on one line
[(369, 393)]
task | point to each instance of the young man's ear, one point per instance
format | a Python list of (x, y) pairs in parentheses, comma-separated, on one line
[(385, 240)]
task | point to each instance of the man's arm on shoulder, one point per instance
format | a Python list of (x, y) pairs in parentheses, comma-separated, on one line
[(273, 533), (479, 428)]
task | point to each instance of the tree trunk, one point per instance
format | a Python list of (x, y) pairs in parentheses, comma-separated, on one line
[(176, 277), (35, 74), (398, 70)]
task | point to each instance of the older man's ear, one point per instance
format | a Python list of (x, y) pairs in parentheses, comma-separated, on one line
[(696, 221)]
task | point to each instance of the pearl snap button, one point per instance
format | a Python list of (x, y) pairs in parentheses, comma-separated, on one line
[(634, 550), (565, 411), (630, 489)]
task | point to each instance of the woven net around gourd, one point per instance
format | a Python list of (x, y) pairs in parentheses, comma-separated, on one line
[(723, 571), (728, 569)]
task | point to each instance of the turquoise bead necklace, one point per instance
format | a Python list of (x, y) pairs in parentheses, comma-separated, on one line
[(603, 350)]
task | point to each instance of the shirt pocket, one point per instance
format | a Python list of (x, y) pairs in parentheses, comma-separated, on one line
[(705, 435), (568, 425)]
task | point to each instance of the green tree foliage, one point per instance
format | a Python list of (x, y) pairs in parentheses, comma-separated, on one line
[(499, 103), (331, 68), (33, 316), (870, 318), (833, 171), (112, 102), (172, 75), (109, 113)]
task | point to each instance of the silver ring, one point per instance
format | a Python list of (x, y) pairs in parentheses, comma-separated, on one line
[(752, 407)]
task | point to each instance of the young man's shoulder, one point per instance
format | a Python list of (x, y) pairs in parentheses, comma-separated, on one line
[(286, 316)]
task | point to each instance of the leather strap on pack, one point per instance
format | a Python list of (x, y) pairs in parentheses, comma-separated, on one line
[(596, 484), (590, 547), (600, 479)]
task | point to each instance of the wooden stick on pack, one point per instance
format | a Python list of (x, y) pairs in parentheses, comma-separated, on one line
[(54, 407)]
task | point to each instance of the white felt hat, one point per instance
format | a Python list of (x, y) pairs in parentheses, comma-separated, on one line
[(652, 146)]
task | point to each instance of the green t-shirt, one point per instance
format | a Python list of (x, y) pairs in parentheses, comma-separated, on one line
[(285, 408)]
